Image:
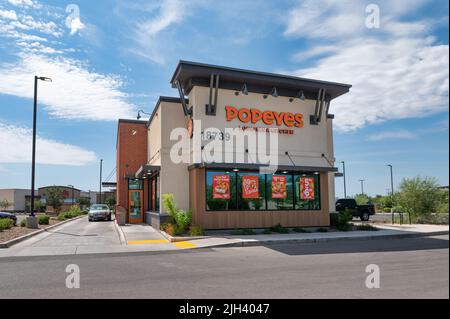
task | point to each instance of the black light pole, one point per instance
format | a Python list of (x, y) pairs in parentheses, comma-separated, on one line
[(345, 186), (71, 186), (33, 153), (101, 164), (362, 186), (392, 191)]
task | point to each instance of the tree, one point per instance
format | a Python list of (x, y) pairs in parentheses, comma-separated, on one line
[(111, 201), (362, 199), (4, 204), (84, 201), (419, 197), (54, 198), (38, 205)]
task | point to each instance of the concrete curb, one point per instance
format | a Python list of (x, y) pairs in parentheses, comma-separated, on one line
[(17, 240), (120, 232), (323, 240), (174, 239)]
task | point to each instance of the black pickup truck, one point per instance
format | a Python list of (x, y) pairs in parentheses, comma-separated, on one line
[(361, 211)]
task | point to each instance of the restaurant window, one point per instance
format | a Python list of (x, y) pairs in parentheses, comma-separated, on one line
[(307, 191), (220, 190), (279, 192), (251, 191)]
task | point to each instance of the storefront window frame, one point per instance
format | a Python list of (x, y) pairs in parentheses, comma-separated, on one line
[(293, 174)]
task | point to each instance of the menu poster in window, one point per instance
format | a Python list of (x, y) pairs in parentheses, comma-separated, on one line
[(307, 188), (279, 187), (221, 186), (250, 186)]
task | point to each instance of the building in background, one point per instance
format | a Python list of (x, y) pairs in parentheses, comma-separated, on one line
[(16, 197)]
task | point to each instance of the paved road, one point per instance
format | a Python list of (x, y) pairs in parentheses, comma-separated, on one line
[(410, 268)]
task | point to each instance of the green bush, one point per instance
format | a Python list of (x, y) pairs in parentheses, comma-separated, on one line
[(73, 211), (43, 220), (300, 230), (170, 229), (343, 222), (334, 218), (279, 229), (266, 231), (182, 219), (196, 231), (322, 230), (6, 223), (245, 231), (23, 223), (366, 227)]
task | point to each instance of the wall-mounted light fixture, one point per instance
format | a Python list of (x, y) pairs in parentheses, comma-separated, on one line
[(274, 93), (139, 114), (300, 95), (243, 90)]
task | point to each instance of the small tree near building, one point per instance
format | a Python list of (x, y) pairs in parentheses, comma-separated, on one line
[(54, 198), (4, 204)]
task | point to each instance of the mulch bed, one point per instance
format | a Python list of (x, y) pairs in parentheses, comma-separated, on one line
[(18, 231)]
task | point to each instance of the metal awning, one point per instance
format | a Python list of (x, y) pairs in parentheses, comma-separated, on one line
[(147, 169), (252, 167)]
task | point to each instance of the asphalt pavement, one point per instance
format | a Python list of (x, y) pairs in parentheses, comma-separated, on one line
[(409, 268)]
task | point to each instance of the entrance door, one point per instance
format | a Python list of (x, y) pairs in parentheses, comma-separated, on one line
[(135, 206)]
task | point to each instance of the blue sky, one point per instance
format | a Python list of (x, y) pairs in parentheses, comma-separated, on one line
[(118, 56)]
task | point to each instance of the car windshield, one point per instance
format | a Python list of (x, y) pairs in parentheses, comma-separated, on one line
[(99, 207)]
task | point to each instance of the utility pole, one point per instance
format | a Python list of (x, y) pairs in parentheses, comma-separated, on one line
[(362, 186), (100, 192), (345, 186)]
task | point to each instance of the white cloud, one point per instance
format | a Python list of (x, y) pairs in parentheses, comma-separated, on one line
[(148, 33), (8, 14), (392, 135), (15, 143), (75, 93), (76, 25), (25, 3), (397, 72)]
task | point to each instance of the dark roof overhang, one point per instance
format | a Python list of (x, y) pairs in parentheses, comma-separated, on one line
[(190, 74), (252, 167), (167, 99), (144, 170)]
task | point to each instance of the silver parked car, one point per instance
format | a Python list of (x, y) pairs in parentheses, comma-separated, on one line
[(99, 212)]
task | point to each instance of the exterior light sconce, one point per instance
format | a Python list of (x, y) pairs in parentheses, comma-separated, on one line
[(274, 93), (300, 96), (243, 90), (236, 170), (139, 114)]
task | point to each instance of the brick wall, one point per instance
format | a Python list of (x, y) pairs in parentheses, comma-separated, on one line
[(131, 150)]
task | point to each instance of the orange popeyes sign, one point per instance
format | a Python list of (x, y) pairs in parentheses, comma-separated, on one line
[(253, 115)]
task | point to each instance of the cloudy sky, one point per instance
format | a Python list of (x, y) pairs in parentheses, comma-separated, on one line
[(109, 59)]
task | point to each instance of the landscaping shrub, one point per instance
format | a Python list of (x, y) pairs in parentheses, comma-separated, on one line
[(196, 231), (23, 223), (300, 230), (366, 227), (266, 231), (334, 217), (279, 229), (43, 220), (6, 223), (182, 219), (240, 232), (322, 230), (73, 211), (343, 222), (170, 229)]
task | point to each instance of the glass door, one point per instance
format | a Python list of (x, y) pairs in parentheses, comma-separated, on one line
[(135, 207)]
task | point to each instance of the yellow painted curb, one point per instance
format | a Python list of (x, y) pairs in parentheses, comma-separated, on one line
[(184, 244), (149, 241)]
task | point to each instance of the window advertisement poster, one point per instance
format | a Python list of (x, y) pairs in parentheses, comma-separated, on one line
[(307, 188), (250, 186), (279, 187), (221, 186)]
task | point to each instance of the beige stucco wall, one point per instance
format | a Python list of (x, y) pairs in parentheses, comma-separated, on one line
[(154, 139), (305, 146)]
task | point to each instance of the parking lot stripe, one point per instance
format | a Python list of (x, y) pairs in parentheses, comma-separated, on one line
[(148, 241), (184, 244)]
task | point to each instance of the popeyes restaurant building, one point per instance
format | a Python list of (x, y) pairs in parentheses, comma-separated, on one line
[(241, 193)]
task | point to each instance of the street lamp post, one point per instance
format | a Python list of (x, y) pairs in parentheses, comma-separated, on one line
[(392, 191), (31, 221), (362, 186), (100, 186), (345, 186), (71, 186)]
